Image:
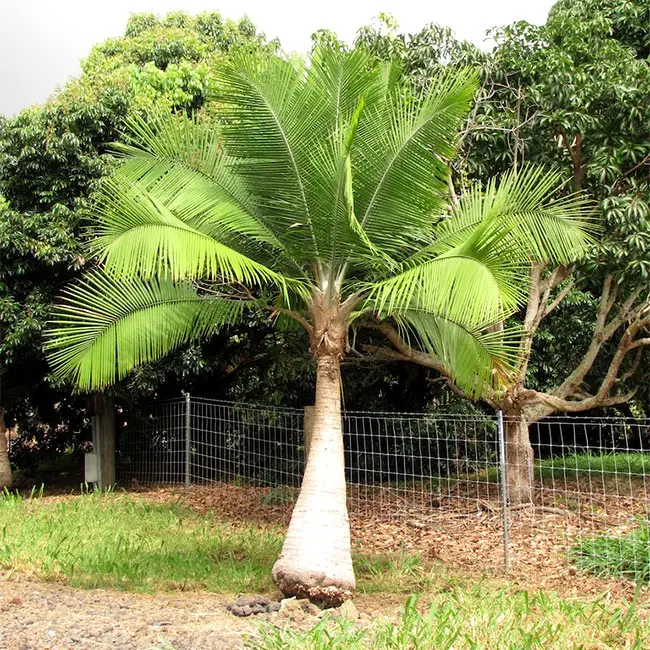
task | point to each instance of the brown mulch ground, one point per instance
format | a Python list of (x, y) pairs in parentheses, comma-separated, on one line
[(465, 539)]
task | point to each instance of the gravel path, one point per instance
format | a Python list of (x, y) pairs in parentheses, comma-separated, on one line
[(48, 616)]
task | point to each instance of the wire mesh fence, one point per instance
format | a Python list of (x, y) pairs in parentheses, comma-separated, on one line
[(561, 490)]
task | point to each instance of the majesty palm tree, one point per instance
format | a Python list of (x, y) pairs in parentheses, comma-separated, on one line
[(320, 197)]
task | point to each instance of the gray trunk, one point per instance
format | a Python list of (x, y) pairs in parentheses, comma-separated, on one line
[(520, 462), (102, 408)]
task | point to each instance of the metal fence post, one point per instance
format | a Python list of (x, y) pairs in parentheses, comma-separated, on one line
[(504, 492), (188, 442)]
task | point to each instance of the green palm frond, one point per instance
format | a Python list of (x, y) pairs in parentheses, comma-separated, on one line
[(104, 327), (138, 234), (479, 359), (401, 161), (522, 210), (181, 160), (472, 284), (271, 122)]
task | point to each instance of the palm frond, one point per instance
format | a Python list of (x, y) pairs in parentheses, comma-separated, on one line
[(480, 360), (401, 161), (471, 284), (104, 327), (526, 212), (181, 160), (271, 122), (138, 234)]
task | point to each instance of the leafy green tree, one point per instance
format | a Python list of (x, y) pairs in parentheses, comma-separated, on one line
[(52, 157), (570, 95), (320, 200)]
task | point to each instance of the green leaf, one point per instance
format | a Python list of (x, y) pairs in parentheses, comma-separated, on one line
[(104, 327)]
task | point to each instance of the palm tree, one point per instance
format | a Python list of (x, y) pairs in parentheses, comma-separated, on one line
[(319, 199)]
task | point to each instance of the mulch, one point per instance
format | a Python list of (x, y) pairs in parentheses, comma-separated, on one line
[(465, 534)]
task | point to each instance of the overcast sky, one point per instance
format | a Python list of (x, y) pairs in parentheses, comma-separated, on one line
[(42, 41)]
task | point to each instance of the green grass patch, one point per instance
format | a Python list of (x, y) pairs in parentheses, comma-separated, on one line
[(120, 541), (596, 466), (592, 467), (280, 496), (477, 617), (624, 556)]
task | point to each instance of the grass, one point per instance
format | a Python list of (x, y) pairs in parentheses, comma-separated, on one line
[(591, 466), (125, 542), (624, 464), (280, 496), (477, 618), (625, 556), (118, 541)]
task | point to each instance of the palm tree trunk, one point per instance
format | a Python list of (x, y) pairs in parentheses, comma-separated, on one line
[(316, 560), (5, 467), (520, 462)]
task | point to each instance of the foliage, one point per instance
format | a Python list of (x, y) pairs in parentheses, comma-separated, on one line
[(570, 95), (356, 229), (51, 160)]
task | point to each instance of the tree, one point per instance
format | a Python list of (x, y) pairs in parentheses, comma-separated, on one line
[(52, 157), (321, 199), (572, 95)]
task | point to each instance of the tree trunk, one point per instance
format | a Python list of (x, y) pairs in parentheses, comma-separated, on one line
[(520, 461), (5, 467), (316, 560)]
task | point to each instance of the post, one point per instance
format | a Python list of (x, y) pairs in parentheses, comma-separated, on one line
[(188, 443), (504, 491), (309, 427), (102, 409)]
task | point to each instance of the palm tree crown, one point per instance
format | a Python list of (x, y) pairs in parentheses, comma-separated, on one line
[(320, 196)]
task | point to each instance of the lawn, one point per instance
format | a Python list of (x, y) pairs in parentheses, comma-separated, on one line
[(622, 464), (119, 541), (126, 542)]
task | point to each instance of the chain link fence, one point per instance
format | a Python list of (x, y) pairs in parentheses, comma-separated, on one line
[(456, 476)]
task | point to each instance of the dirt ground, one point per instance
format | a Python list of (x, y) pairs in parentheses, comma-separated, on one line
[(50, 616)]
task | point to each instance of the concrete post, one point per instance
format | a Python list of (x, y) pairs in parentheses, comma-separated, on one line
[(102, 408)]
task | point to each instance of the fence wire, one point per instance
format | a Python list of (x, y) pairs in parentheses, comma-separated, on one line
[(577, 493)]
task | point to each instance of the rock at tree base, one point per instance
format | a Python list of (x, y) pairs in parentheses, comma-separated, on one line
[(298, 609), (348, 610), (248, 605)]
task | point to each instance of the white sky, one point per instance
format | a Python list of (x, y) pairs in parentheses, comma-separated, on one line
[(42, 41)]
